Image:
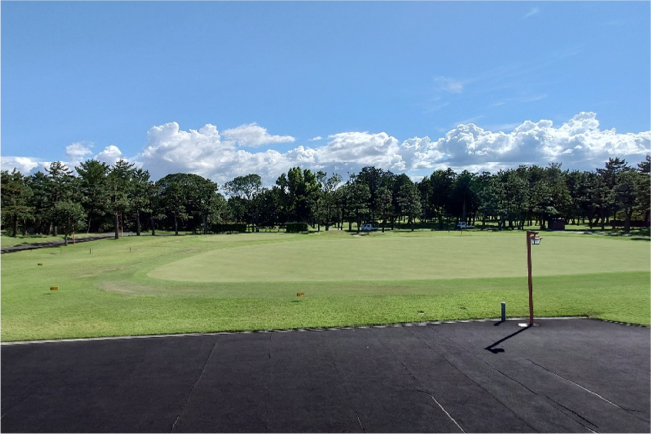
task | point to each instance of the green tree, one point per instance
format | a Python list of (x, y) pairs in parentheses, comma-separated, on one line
[(486, 188), (244, 186), (409, 201), (238, 208), (189, 197), (59, 186), (269, 205), (442, 184), (577, 190), (357, 200), (206, 202), (383, 204), (625, 194), (374, 178), (598, 199), (298, 186), (141, 190), (39, 201), (174, 197), (609, 176), (329, 188), (16, 195), (120, 185), (514, 194), (94, 189), (645, 166), (68, 216), (425, 190), (643, 189), (549, 194), (463, 201), (243, 190)]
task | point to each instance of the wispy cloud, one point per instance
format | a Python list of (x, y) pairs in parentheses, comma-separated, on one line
[(532, 12), (513, 83), (314, 139), (448, 84), (443, 89), (517, 100), (534, 98), (432, 106)]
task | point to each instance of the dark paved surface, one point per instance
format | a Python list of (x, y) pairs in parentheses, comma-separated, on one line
[(575, 375)]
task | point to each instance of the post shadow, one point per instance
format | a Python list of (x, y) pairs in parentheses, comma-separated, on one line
[(501, 350)]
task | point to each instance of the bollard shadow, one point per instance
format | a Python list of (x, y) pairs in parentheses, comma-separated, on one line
[(498, 323), (501, 350)]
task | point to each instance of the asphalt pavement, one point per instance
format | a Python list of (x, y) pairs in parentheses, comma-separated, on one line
[(566, 375)]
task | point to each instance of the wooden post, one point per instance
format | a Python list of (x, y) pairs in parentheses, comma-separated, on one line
[(530, 234)]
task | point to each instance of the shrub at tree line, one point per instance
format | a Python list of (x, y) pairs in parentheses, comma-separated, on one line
[(220, 228), (296, 227), (101, 198)]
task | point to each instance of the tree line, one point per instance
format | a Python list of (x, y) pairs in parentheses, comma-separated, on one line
[(118, 197)]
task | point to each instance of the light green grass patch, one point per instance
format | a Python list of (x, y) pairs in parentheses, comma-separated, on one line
[(413, 257)]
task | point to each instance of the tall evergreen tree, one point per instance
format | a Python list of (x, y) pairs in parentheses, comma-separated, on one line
[(120, 183), (409, 201), (141, 191), (94, 189), (442, 184), (59, 187), (383, 204), (16, 195)]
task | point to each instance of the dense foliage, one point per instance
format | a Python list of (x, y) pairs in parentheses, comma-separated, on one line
[(121, 197)]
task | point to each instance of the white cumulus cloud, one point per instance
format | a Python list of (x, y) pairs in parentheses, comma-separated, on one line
[(78, 151), (24, 165), (110, 155), (253, 135), (170, 150), (578, 143)]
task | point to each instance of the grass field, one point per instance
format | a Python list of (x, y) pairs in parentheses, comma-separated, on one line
[(155, 285)]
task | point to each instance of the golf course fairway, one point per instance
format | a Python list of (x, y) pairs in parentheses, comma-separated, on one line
[(210, 283)]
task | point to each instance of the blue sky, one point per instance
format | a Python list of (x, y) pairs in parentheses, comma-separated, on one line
[(225, 89)]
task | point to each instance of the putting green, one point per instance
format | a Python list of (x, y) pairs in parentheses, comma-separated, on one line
[(378, 257)]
